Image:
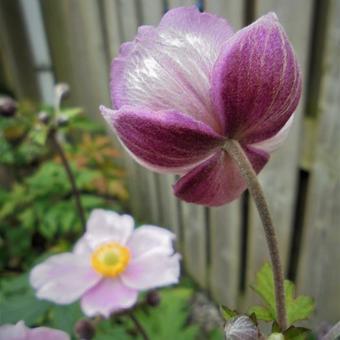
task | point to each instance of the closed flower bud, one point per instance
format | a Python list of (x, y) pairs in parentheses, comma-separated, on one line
[(84, 329), (153, 299), (8, 106)]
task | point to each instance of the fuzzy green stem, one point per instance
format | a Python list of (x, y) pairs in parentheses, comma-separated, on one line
[(234, 149)]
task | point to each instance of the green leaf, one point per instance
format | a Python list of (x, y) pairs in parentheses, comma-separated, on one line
[(39, 134), (262, 313), (70, 113), (170, 319), (227, 312), (299, 308), (296, 333)]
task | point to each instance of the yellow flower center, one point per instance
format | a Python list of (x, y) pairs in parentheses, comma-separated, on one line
[(110, 259)]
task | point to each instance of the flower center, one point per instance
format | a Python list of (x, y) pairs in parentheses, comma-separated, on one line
[(110, 259)]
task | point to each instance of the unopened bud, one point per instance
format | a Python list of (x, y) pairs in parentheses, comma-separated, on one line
[(84, 329), (62, 121), (43, 117), (153, 299), (8, 106)]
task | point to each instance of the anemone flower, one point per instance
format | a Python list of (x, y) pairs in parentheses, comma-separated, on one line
[(20, 332), (109, 265), (184, 88)]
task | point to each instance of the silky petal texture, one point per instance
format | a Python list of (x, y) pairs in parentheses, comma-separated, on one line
[(271, 144), (44, 333), (82, 247), (169, 67), (151, 270), (218, 180), (150, 238), (256, 81), (108, 296), (164, 141), (63, 278), (14, 332), (108, 226)]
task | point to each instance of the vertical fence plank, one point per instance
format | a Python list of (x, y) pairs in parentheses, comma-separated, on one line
[(279, 178), (16, 53), (225, 221), (320, 256)]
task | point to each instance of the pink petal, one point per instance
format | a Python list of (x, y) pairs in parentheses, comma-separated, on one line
[(151, 270), (218, 180), (164, 141), (44, 333), (108, 296), (63, 278), (82, 247), (150, 238), (14, 332), (170, 67), (108, 226), (271, 144), (256, 81)]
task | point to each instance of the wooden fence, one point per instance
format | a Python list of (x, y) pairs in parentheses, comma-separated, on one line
[(74, 41)]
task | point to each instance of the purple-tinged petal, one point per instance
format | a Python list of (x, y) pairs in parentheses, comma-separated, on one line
[(108, 296), (108, 226), (164, 141), (82, 247), (217, 180), (271, 144), (14, 332), (151, 270), (150, 238), (63, 278), (170, 67), (256, 81), (44, 333)]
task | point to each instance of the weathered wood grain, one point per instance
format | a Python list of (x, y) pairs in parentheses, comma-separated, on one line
[(318, 272)]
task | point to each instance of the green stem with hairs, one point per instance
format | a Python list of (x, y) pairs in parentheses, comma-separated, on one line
[(235, 151)]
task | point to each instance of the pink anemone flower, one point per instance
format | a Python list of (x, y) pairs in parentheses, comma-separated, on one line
[(20, 332), (181, 89), (109, 265)]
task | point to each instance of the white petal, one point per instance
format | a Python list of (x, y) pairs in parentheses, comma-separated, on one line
[(108, 226), (63, 278), (154, 269)]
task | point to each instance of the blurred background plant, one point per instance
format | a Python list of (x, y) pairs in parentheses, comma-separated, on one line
[(39, 217), (37, 210)]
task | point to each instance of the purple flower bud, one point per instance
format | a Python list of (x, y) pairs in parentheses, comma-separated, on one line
[(153, 299), (84, 329), (181, 89), (8, 106)]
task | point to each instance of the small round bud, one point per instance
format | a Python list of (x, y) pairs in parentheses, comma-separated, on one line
[(84, 329), (153, 299), (62, 90), (276, 336), (62, 121), (43, 117), (8, 106)]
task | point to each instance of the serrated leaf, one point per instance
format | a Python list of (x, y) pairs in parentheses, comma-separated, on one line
[(227, 312), (262, 313), (298, 309)]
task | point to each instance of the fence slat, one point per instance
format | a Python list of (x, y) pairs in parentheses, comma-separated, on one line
[(225, 221), (16, 53), (279, 177), (319, 275)]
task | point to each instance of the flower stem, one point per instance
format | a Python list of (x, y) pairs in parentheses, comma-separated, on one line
[(138, 326), (236, 152), (70, 176)]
